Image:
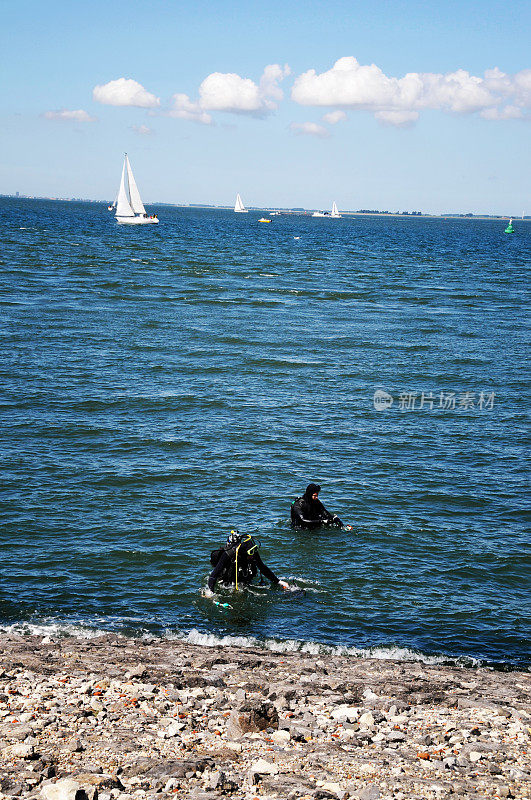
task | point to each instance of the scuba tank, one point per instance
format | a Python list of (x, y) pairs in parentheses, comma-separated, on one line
[(239, 548)]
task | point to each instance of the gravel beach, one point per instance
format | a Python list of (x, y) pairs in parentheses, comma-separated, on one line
[(116, 718)]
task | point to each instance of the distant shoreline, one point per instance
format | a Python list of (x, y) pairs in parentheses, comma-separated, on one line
[(288, 212)]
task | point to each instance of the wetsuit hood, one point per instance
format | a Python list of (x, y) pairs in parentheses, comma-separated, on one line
[(312, 488)]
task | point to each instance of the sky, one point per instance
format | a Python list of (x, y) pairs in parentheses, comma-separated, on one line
[(398, 106)]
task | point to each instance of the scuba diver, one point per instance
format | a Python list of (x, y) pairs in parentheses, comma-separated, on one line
[(238, 563), (308, 511)]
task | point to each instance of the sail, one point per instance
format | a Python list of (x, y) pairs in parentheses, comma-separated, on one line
[(239, 204), (123, 206), (136, 203), (335, 212)]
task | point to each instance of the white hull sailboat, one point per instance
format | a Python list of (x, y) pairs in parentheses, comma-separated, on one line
[(334, 215), (129, 207), (239, 207)]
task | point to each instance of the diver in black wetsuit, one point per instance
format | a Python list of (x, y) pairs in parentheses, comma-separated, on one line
[(239, 562), (308, 511)]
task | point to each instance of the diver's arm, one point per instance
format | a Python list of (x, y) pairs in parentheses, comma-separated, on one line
[(325, 514), (328, 518), (265, 570), (270, 574), (223, 562), (299, 521)]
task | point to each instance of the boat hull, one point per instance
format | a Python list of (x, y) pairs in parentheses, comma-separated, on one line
[(137, 220)]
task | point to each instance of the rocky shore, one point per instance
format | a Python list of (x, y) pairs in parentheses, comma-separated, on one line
[(121, 719)]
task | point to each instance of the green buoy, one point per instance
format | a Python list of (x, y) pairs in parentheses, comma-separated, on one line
[(509, 228)]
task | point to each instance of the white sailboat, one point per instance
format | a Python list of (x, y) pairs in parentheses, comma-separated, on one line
[(239, 207), (129, 207), (334, 215)]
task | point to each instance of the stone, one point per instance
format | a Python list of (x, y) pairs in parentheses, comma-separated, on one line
[(19, 732), (15, 789), (137, 672), (440, 789), (174, 728), (366, 720), (251, 719), (263, 767), (98, 779), (396, 736), (300, 733), (333, 787), (21, 750), (236, 747), (370, 792), (68, 789), (234, 729), (216, 780), (281, 737), (345, 714), (75, 746)]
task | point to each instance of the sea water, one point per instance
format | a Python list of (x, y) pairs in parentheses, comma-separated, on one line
[(162, 385)]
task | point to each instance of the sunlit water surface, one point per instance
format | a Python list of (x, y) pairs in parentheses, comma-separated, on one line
[(162, 385)]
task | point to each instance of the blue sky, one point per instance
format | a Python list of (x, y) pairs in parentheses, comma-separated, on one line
[(391, 105)]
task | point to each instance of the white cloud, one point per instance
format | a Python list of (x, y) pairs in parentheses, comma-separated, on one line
[(522, 85), (400, 119), (125, 92), (397, 101), (142, 130), (69, 116), (183, 108), (456, 91), (270, 79), (227, 91), (507, 112), (333, 117), (310, 129)]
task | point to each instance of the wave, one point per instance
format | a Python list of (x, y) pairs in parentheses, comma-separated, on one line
[(384, 653), (57, 630), (52, 630)]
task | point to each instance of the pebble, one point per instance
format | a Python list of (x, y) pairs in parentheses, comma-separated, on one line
[(117, 719)]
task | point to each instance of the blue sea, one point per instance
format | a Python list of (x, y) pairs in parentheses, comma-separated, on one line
[(162, 385)]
